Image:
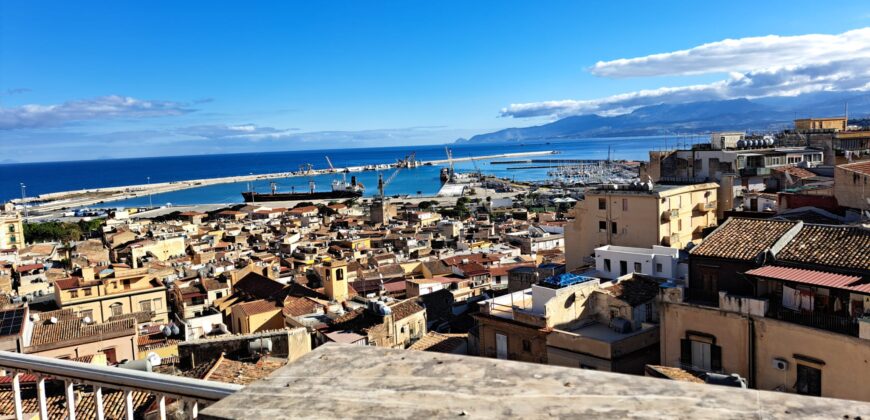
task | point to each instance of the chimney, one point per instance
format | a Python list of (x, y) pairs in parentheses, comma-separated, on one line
[(88, 273)]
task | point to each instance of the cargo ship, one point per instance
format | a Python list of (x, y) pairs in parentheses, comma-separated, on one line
[(340, 189)]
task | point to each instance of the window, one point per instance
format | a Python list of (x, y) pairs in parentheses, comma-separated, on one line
[(602, 226), (117, 309), (659, 268), (88, 292), (680, 224), (73, 294), (145, 306), (613, 229), (11, 228), (624, 204), (700, 352), (602, 204), (527, 346), (87, 313), (809, 380), (623, 268), (339, 274), (157, 304), (637, 268), (607, 264)]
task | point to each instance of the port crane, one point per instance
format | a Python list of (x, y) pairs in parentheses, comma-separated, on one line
[(383, 183), (331, 168)]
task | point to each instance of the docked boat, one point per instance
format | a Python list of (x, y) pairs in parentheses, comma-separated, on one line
[(340, 190)]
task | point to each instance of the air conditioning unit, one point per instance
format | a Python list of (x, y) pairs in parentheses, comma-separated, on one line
[(780, 364)]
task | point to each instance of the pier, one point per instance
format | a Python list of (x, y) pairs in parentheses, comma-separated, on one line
[(53, 202)]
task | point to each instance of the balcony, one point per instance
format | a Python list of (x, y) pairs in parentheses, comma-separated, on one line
[(670, 215), (705, 207), (827, 322), (187, 393)]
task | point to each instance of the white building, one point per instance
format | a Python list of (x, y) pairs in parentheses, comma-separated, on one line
[(659, 261)]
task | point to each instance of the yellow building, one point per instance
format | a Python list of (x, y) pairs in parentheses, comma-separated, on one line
[(669, 215), (113, 295), (256, 316), (835, 123), (11, 230)]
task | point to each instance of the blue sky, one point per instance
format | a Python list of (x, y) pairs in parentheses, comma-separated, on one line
[(81, 80)]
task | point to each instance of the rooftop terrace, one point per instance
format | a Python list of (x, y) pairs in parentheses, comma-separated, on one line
[(337, 381)]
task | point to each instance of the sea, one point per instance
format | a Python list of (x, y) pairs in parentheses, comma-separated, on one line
[(46, 177)]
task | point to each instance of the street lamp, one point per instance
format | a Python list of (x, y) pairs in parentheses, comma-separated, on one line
[(24, 204), (150, 204)]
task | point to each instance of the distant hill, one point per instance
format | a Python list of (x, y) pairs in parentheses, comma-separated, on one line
[(763, 114)]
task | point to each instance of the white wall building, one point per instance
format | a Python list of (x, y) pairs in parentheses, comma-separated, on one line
[(659, 261)]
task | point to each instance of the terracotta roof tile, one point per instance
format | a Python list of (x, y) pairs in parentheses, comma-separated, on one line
[(440, 343), (46, 333), (257, 307), (836, 246), (405, 309), (742, 239), (816, 278)]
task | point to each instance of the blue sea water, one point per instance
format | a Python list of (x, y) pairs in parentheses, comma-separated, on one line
[(48, 177)]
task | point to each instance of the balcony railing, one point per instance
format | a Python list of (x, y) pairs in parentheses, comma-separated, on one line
[(833, 323), (187, 390), (704, 207)]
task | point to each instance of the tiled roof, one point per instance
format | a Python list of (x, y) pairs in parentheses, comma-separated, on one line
[(29, 267), (46, 333), (634, 291), (860, 167), (259, 286), (298, 306), (405, 309), (242, 373), (816, 278), (836, 246), (257, 307), (113, 403), (794, 171), (742, 239), (440, 343)]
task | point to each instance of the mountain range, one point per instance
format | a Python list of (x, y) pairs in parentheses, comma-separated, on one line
[(759, 115)]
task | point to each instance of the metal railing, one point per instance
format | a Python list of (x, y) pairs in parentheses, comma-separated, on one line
[(188, 390), (833, 323)]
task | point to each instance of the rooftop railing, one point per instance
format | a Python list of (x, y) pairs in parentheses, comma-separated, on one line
[(187, 390)]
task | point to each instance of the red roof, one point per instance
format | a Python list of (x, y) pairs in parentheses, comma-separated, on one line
[(29, 267), (816, 278), (860, 167)]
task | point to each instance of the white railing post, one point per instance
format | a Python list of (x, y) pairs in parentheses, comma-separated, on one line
[(98, 402), (194, 412), (16, 391), (40, 391), (70, 399), (162, 405), (128, 401)]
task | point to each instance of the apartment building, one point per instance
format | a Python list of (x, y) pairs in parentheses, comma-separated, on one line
[(852, 185), (113, 294), (11, 228), (639, 216), (782, 304)]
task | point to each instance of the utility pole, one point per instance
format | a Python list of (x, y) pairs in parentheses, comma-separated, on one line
[(150, 205), (23, 188)]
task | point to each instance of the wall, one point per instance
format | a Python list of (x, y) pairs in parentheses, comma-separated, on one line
[(292, 344), (489, 326), (731, 332), (125, 348), (846, 359), (851, 188)]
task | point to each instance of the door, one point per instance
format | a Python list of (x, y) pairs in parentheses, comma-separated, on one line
[(809, 380), (501, 346)]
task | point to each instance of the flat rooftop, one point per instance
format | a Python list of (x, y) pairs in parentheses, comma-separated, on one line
[(341, 381)]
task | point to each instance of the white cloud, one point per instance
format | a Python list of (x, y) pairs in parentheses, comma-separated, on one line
[(239, 131), (742, 55), (757, 67), (113, 106)]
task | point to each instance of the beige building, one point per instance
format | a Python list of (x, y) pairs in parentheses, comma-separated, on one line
[(834, 123), (256, 316), (63, 334), (11, 229), (852, 185), (113, 295), (772, 354), (161, 250), (669, 215)]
